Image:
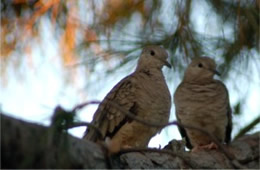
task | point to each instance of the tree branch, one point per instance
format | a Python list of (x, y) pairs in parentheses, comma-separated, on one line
[(28, 145)]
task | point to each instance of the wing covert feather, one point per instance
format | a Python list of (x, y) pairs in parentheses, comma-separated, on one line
[(108, 118)]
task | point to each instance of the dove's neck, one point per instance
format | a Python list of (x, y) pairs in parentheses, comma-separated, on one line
[(154, 73), (148, 69), (197, 80)]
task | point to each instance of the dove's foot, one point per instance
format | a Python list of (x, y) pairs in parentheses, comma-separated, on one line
[(210, 146)]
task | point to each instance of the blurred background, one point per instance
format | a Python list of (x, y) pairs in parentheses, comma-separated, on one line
[(66, 52)]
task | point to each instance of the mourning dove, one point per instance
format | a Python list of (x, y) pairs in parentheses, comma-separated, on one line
[(143, 93), (203, 102)]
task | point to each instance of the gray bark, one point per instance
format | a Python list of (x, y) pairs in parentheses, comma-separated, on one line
[(28, 145)]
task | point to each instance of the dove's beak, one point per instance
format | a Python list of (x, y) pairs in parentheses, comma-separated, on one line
[(215, 72), (168, 64)]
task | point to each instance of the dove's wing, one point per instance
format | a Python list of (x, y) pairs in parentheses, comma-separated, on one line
[(229, 126), (183, 132), (107, 117), (229, 112), (177, 97)]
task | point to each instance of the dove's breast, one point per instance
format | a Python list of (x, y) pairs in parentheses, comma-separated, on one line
[(203, 106), (154, 97)]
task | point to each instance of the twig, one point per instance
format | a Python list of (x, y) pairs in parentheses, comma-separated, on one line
[(248, 127), (80, 106), (79, 124), (63, 119)]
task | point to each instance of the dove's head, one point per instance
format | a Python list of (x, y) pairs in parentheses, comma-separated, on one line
[(153, 57), (201, 70)]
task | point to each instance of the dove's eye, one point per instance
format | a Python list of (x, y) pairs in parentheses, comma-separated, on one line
[(152, 53), (200, 65)]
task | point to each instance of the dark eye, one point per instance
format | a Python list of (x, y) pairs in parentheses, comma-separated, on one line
[(200, 65), (152, 53)]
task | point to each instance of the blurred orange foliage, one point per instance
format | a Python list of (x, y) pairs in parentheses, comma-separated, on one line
[(7, 46), (68, 39), (26, 25), (114, 10)]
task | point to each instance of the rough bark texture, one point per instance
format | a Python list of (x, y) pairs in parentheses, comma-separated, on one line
[(28, 145)]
